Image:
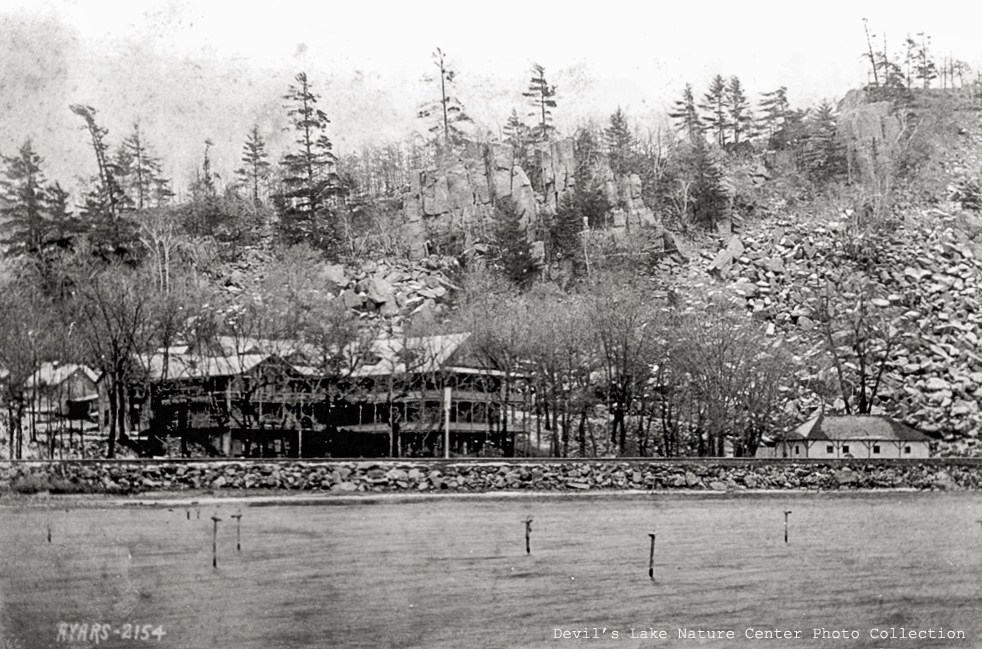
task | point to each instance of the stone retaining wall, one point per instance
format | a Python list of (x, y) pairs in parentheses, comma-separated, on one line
[(408, 476)]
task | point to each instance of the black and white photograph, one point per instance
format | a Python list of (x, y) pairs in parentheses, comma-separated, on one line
[(490, 325)]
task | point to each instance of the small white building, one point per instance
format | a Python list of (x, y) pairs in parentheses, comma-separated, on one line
[(851, 436)]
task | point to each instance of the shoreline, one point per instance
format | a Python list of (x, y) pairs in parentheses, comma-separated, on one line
[(300, 499), (360, 480)]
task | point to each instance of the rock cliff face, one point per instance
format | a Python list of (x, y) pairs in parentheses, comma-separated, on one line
[(451, 207), (870, 134)]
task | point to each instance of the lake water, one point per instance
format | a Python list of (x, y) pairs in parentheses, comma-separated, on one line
[(453, 572)]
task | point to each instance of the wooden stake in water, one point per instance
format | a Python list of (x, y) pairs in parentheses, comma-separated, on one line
[(786, 525), (528, 534), (238, 531), (651, 557), (214, 543), (49, 533)]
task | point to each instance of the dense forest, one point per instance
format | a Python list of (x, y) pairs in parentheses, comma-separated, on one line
[(624, 344)]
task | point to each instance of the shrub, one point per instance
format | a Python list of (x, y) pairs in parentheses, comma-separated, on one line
[(30, 483)]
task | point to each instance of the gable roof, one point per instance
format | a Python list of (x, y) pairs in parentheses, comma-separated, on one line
[(52, 373), (856, 428), (380, 357), (185, 366), (428, 354)]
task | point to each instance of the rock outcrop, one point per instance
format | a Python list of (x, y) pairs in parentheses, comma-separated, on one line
[(451, 207), (870, 133)]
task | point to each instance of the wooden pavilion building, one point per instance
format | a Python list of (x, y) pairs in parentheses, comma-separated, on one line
[(389, 397)]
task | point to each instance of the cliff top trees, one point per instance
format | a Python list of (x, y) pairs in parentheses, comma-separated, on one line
[(110, 231), (255, 169), (542, 98), (774, 108), (714, 105), (447, 113), (741, 120), (141, 177), (620, 143), (685, 114), (516, 132), (309, 180)]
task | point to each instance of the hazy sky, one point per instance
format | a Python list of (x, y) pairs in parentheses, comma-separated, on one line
[(195, 70)]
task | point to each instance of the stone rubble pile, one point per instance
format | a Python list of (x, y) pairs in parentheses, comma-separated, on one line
[(393, 288), (927, 269)]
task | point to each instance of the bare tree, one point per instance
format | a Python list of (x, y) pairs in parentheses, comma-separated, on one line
[(26, 338), (116, 314), (622, 320), (860, 331)]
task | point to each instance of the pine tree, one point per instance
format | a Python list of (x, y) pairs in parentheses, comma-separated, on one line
[(620, 144), (448, 111), (740, 118), (204, 181), (512, 245), (122, 167), (309, 180), (925, 69), (892, 84), (774, 109), (109, 230), (714, 107), (255, 169), (822, 155), (589, 199), (516, 132), (910, 47), (24, 205), (586, 206), (709, 198), (147, 187), (685, 114), (64, 226), (542, 97)]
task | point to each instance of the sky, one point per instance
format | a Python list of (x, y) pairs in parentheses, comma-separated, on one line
[(190, 71)]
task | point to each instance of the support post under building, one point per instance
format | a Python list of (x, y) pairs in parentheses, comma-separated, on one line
[(446, 421)]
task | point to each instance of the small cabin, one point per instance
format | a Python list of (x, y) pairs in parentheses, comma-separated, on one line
[(64, 390), (851, 436)]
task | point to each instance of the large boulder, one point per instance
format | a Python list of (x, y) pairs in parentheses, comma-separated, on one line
[(870, 132)]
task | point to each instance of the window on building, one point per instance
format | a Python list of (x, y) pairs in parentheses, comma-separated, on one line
[(845, 448), (830, 449), (797, 450), (906, 450), (876, 449)]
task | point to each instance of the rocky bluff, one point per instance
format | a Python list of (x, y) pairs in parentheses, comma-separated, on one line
[(454, 201)]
